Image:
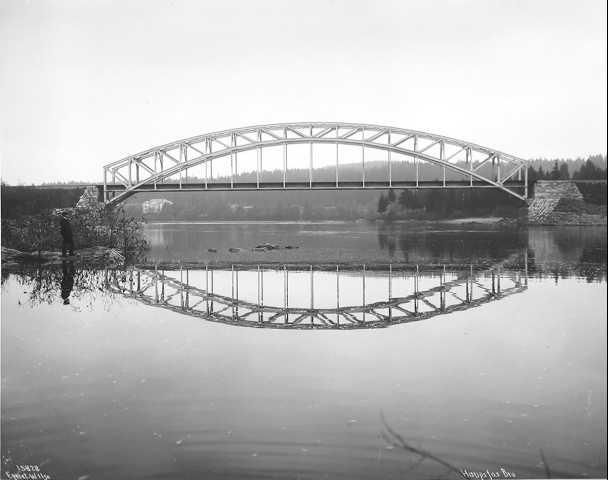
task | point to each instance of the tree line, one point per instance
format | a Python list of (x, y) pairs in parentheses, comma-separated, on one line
[(429, 204), (590, 169)]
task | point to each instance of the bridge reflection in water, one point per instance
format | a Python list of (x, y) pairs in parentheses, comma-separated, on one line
[(316, 297)]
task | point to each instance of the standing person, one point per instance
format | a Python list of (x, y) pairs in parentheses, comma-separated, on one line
[(66, 234)]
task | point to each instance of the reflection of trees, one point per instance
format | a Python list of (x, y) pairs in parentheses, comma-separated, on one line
[(568, 251), (442, 245), (555, 252), (50, 285)]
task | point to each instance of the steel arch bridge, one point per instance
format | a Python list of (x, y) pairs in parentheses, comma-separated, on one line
[(166, 167)]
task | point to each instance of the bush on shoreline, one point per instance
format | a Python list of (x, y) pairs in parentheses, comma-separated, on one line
[(98, 226)]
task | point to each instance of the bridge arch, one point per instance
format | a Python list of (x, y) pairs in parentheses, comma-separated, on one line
[(477, 166)]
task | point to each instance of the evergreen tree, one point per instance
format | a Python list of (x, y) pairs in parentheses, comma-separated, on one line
[(589, 171), (554, 172), (541, 173), (533, 175)]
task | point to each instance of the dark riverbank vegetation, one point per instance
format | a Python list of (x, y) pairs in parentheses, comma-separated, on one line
[(437, 204), (39, 234)]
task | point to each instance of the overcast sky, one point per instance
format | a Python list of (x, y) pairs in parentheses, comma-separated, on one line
[(83, 83)]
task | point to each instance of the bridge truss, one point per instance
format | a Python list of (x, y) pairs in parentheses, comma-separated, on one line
[(167, 167), (453, 291)]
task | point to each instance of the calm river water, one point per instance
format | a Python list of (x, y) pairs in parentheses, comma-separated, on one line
[(332, 358)]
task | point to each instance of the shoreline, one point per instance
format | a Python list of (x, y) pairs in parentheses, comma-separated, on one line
[(504, 222), (452, 221)]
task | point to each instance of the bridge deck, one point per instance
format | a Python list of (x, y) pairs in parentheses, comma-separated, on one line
[(315, 185)]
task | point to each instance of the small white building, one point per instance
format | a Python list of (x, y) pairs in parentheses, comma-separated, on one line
[(155, 205)]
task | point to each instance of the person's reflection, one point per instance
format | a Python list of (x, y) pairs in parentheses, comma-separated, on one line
[(67, 281)]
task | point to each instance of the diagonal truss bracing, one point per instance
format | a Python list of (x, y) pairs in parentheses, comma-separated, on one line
[(150, 169)]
